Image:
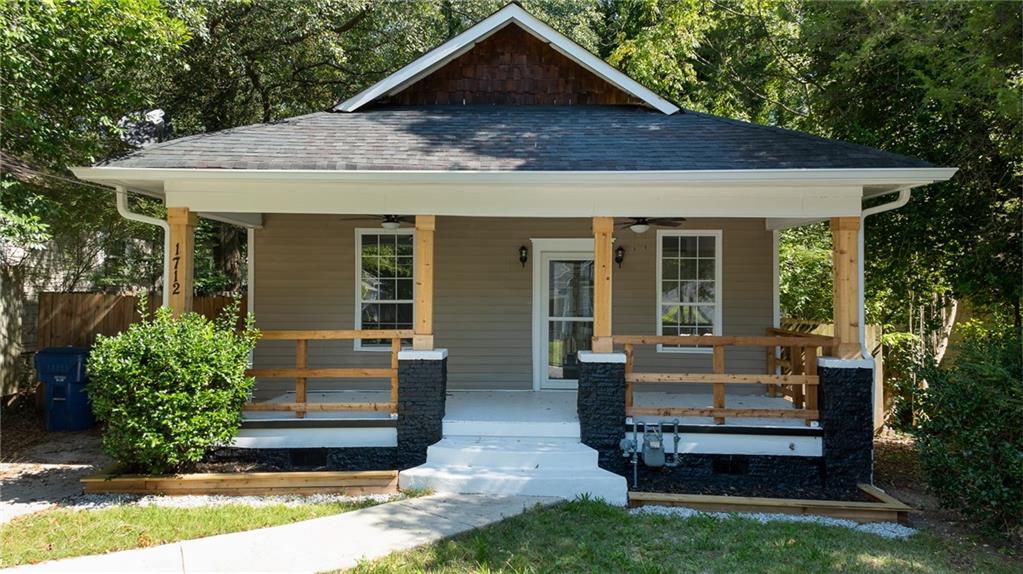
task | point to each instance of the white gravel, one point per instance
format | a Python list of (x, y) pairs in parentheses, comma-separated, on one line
[(100, 501), (882, 529)]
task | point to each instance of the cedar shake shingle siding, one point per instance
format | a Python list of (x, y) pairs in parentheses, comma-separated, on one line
[(512, 67), (510, 138)]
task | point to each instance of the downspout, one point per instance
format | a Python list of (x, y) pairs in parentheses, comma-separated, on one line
[(900, 201), (122, 208)]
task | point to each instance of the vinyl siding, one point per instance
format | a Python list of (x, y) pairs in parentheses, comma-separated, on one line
[(305, 279)]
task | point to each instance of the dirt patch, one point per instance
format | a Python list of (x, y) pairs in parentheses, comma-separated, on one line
[(21, 425), (41, 468)]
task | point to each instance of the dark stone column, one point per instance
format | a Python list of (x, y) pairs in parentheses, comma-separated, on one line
[(601, 407), (422, 386), (846, 408)]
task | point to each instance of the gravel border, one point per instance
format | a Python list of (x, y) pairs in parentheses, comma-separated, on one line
[(101, 501), (888, 530)]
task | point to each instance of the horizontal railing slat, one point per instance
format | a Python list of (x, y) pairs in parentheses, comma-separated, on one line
[(331, 373), (323, 335), (722, 341), (270, 406), (727, 379), (712, 412)]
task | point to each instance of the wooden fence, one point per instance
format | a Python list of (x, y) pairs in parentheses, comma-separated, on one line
[(74, 319)]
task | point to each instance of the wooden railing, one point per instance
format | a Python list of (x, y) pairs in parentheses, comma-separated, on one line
[(806, 380), (301, 373)]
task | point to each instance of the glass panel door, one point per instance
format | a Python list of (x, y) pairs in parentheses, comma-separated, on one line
[(568, 317)]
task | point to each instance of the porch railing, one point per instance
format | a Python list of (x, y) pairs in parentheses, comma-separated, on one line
[(806, 379), (301, 373), (790, 361)]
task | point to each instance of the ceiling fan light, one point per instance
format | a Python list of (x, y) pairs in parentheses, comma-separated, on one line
[(639, 227), (390, 224)]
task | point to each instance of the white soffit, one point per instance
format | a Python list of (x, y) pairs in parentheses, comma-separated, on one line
[(462, 43)]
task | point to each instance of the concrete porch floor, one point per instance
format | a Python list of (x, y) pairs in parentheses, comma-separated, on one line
[(535, 406)]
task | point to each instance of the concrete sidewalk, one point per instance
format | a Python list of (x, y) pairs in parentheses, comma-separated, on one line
[(317, 545)]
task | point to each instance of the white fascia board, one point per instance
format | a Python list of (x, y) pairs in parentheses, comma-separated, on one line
[(465, 41), (518, 199)]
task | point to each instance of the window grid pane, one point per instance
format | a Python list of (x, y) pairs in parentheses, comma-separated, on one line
[(688, 285), (386, 294)]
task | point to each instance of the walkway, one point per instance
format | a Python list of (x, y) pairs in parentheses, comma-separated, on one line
[(318, 545)]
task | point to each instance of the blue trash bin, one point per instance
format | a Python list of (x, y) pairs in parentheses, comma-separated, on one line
[(62, 371)]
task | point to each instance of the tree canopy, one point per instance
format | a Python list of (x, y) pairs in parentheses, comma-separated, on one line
[(938, 81)]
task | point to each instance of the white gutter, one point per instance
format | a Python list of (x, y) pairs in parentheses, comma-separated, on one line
[(900, 201), (122, 208)]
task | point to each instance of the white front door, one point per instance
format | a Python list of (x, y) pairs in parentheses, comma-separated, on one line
[(563, 310)]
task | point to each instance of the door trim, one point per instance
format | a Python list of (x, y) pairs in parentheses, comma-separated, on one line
[(541, 246)]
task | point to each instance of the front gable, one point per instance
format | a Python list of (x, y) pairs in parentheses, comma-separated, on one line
[(514, 67), (510, 57)]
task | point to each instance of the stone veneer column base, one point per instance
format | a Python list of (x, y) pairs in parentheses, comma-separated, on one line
[(846, 406), (422, 386), (601, 407)]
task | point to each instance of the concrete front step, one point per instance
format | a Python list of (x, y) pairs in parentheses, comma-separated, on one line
[(560, 482), (512, 452), (511, 428)]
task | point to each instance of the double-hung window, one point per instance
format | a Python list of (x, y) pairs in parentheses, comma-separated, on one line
[(384, 294), (688, 285)]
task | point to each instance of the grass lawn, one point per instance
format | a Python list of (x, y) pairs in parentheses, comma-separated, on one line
[(584, 536), (64, 532)]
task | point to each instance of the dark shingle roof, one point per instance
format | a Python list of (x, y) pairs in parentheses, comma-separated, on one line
[(510, 138)]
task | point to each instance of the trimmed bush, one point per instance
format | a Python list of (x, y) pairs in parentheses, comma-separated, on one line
[(169, 390), (971, 433)]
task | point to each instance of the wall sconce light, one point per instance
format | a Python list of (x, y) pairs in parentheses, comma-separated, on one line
[(619, 256), (523, 256)]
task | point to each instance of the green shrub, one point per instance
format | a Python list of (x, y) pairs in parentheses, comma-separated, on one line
[(902, 363), (170, 389), (971, 432)]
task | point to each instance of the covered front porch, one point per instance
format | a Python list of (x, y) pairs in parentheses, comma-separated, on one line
[(516, 302)]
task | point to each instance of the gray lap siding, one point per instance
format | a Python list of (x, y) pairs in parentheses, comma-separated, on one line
[(305, 279)]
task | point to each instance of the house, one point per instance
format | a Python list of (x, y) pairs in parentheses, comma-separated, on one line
[(509, 267)]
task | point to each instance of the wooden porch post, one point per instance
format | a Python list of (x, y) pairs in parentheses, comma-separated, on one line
[(845, 264), (182, 233), (603, 231), (423, 338)]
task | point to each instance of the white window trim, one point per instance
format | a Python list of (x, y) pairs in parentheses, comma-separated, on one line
[(359, 233), (718, 285)]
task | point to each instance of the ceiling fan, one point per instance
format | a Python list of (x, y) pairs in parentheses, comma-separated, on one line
[(386, 221), (642, 224)]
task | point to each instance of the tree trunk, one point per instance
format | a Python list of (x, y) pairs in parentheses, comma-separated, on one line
[(948, 320), (12, 301)]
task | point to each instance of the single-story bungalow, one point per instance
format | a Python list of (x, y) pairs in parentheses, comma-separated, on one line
[(510, 268)]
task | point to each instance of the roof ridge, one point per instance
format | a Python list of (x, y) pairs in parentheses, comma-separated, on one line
[(806, 135)]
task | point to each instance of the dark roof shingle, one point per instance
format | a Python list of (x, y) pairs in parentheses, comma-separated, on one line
[(510, 138)]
